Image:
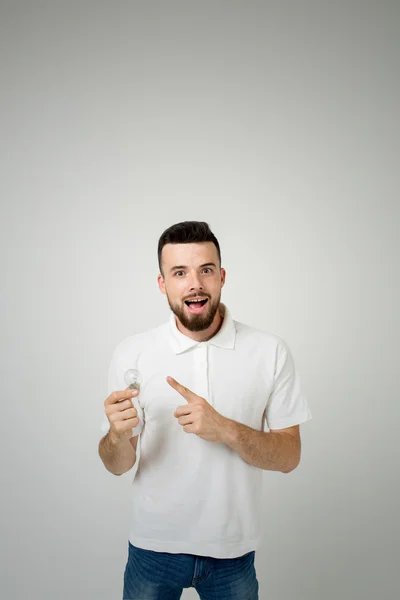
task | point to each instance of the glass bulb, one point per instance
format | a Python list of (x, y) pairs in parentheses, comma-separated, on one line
[(133, 379)]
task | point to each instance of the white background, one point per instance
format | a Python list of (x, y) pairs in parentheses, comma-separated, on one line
[(277, 123)]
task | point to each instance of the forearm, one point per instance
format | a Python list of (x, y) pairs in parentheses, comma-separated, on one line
[(267, 450), (117, 454)]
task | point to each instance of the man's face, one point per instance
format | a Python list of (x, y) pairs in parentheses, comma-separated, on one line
[(192, 271)]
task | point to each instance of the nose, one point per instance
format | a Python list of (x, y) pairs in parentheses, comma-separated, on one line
[(195, 282)]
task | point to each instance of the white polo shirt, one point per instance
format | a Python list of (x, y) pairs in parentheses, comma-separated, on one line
[(190, 495)]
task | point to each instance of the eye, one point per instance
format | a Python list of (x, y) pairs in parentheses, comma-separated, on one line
[(176, 273), (208, 269)]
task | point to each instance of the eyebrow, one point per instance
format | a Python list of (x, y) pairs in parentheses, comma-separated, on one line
[(209, 264)]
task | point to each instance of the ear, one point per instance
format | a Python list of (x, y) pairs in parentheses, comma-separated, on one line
[(223, 276), (161, 284)]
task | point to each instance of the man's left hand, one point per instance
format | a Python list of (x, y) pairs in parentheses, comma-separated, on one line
[(198, 416)]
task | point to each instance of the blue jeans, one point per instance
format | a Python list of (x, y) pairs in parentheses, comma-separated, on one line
[(153, 575)]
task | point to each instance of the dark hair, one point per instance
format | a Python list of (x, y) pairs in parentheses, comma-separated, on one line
[(187, 232)]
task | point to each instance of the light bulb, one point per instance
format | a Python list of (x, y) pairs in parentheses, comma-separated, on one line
[(133, 379)]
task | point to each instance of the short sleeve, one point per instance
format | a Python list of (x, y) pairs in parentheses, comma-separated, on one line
[(116, 382), (286, 405)]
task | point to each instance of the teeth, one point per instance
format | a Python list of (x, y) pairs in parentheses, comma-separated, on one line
[(196, 300)]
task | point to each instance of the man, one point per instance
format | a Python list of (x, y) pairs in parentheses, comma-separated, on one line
[(210, 386)]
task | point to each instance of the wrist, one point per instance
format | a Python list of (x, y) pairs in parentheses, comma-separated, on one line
[(115, 438), (228, 432)]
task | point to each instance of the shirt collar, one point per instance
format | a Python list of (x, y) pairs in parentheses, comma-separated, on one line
[(225, 338)]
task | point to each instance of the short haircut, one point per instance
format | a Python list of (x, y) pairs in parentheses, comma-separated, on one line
[(187, 232)]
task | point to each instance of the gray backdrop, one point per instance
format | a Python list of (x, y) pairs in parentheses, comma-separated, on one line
[(276, 122)]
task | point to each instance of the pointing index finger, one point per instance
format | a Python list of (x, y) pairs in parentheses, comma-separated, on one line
[(181, 389)]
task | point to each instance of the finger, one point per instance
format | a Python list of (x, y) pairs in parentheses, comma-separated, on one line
[(181, 389), (118, 396), (186, 420), (118, 411), (120, 406), (124, 415), (124, 405), (124, 427), (130, 413), (183, 410)]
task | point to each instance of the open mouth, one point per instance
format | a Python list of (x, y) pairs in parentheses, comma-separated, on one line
[(196, 307)]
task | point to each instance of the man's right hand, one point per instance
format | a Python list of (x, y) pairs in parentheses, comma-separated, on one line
[(121, 413)]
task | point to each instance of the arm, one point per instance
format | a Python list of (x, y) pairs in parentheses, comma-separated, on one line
[(117, 449), (277, 450), (118, 453)]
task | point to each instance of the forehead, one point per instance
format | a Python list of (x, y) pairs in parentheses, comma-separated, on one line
[(189, 254)]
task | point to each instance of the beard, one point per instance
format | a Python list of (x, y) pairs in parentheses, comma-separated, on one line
[(194, 322)]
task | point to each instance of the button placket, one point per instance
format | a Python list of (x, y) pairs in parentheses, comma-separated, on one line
[(201, 370)]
